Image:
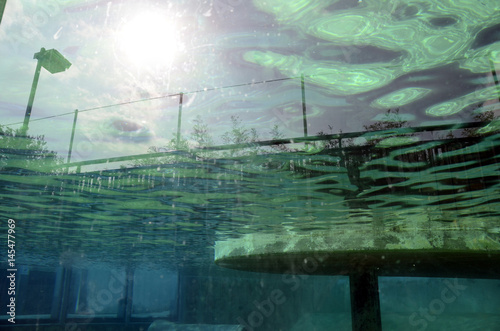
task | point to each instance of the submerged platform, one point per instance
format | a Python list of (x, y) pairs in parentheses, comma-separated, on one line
[(416, 263), (364, 254), (439, 253)]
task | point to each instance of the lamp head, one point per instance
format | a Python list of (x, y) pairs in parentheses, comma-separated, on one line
[(52, 60)]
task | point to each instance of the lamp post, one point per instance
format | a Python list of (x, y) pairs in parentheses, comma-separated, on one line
[(179, 117), (2, 8), (304, 113), (53, 62)]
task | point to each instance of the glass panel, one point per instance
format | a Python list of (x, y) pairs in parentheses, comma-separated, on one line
[(421, 303), (155, 294), (96, 293), (34, 290), (158, 157), (265, 301)]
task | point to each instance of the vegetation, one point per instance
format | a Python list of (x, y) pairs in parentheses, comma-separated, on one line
[(201, 138), (200, 133), (238, 134), (23, 152), (488, 116), (391, 120)]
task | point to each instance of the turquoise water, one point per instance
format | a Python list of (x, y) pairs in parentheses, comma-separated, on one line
[(191, 131), (172, 211)]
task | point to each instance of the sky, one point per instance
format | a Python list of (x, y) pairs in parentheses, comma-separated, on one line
[(131, 59)]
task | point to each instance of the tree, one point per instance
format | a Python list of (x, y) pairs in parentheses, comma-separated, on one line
[(25, 153), (392, 120)]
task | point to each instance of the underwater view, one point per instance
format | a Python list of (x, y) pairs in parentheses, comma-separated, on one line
[(250, 165)]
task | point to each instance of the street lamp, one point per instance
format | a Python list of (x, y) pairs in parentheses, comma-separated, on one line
[(2, 8), (53, 62)]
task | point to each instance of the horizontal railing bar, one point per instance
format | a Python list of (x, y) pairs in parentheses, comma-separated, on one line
[(338, 136)]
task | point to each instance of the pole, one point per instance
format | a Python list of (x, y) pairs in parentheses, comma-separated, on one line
[(304, 115), (72, 136), (2, 8), (27, 116), (495, 75), (365, 304), (179, 121)]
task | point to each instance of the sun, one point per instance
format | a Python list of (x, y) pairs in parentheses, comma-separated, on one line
[(149, 40)]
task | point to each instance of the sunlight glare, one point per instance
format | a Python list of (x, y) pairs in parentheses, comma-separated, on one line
[(149, 39)]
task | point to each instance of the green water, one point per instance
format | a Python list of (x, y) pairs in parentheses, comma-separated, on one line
[(171, 211), (375, 117), (305, 138)]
